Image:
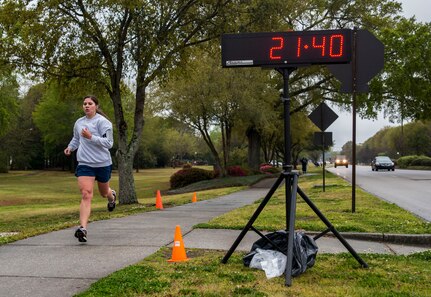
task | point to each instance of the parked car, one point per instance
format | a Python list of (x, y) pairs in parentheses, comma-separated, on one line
[(382, 162), (341, 160)]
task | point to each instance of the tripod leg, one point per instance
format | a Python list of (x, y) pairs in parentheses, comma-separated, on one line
[(253, 217), (332, 228)]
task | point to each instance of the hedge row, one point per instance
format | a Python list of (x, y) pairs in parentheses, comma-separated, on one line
[(189, 175), (408, 161)]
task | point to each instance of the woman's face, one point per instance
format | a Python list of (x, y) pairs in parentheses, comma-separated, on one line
[(89, 107)]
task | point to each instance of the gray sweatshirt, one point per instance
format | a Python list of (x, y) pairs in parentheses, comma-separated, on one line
[(93, 152)]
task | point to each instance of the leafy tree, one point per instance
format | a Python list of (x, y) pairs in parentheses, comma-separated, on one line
[(346, 150), (309, 86), (205, 96), (140, 41), (411, 139), (8, 114), (164, 142), (404, 88), (107, 42), (418, 138), (25, 140), (8, 101), (56, 111)]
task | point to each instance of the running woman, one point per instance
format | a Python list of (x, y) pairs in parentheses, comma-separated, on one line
[(92, 137)]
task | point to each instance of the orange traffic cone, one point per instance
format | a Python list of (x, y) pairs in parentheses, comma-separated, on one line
[(159, 204), (178, 251), (194, 198)]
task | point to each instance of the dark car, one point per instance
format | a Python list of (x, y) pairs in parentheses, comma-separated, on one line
[(382, 162)]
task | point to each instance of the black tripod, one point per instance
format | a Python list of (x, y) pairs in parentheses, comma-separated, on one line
[(291, 189)]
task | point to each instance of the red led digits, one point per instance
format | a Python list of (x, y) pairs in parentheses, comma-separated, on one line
[(298, 50), (321, 45), (336, 45), (331, 45), (274, 48)]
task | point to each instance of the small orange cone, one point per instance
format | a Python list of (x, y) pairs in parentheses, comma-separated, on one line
[(194, 198), (178, 251), (159, 204)]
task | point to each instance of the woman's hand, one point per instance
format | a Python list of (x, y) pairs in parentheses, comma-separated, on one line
[(67, 151), (86, 133)]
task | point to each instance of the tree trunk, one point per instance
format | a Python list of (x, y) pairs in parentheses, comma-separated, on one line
[(4, 162), (127, 192), (218, 163), (253, 137), (127, 149)]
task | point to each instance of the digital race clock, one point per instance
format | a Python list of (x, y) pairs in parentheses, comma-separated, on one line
[(291, 48)]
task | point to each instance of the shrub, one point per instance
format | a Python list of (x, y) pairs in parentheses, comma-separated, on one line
[(235, 171), (268, 169), (188, 176), (421, 161), (405, 161)]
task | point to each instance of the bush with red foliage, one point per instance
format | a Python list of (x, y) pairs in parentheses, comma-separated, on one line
[(235, 171), (268, 169)]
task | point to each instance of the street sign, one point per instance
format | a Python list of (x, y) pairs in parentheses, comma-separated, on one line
[(323, 139), (323, 116)]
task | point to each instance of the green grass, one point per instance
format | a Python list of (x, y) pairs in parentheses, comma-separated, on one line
[(36, 202), (371, 215), (332, 275)]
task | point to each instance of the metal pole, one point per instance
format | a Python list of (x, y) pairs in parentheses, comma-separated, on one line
[(355, 31), (287, 167), (323, 164)]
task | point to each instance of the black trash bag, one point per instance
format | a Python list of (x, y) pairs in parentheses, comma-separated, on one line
[(304, 249), (304, 253)]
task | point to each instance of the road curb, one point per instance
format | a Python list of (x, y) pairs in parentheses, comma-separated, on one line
[(408, 239)]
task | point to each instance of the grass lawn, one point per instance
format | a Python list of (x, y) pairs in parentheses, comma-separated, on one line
[(372, 214), (332, 275), (37, 202)]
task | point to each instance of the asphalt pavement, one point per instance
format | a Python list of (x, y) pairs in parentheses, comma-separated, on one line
[(56, 264)]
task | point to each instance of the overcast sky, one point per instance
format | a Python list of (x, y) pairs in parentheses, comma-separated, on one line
[(342, 128)]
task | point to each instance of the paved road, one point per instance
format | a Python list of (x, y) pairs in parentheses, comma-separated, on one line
[(409, 189)]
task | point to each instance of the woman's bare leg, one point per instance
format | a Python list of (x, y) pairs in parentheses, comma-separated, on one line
[(86, 184), (106, 191)]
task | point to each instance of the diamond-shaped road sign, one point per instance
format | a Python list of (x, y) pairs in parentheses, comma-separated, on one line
[(323, 116)]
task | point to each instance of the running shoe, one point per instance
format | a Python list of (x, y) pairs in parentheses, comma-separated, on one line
[(111, 204), (81, 234)]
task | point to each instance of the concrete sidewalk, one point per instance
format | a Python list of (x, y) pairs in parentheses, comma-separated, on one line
[(56, 264)]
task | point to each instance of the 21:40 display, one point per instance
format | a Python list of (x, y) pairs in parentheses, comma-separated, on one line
[(332, 46)]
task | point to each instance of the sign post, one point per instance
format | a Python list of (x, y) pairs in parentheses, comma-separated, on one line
[(367, 61), (323, 117)]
